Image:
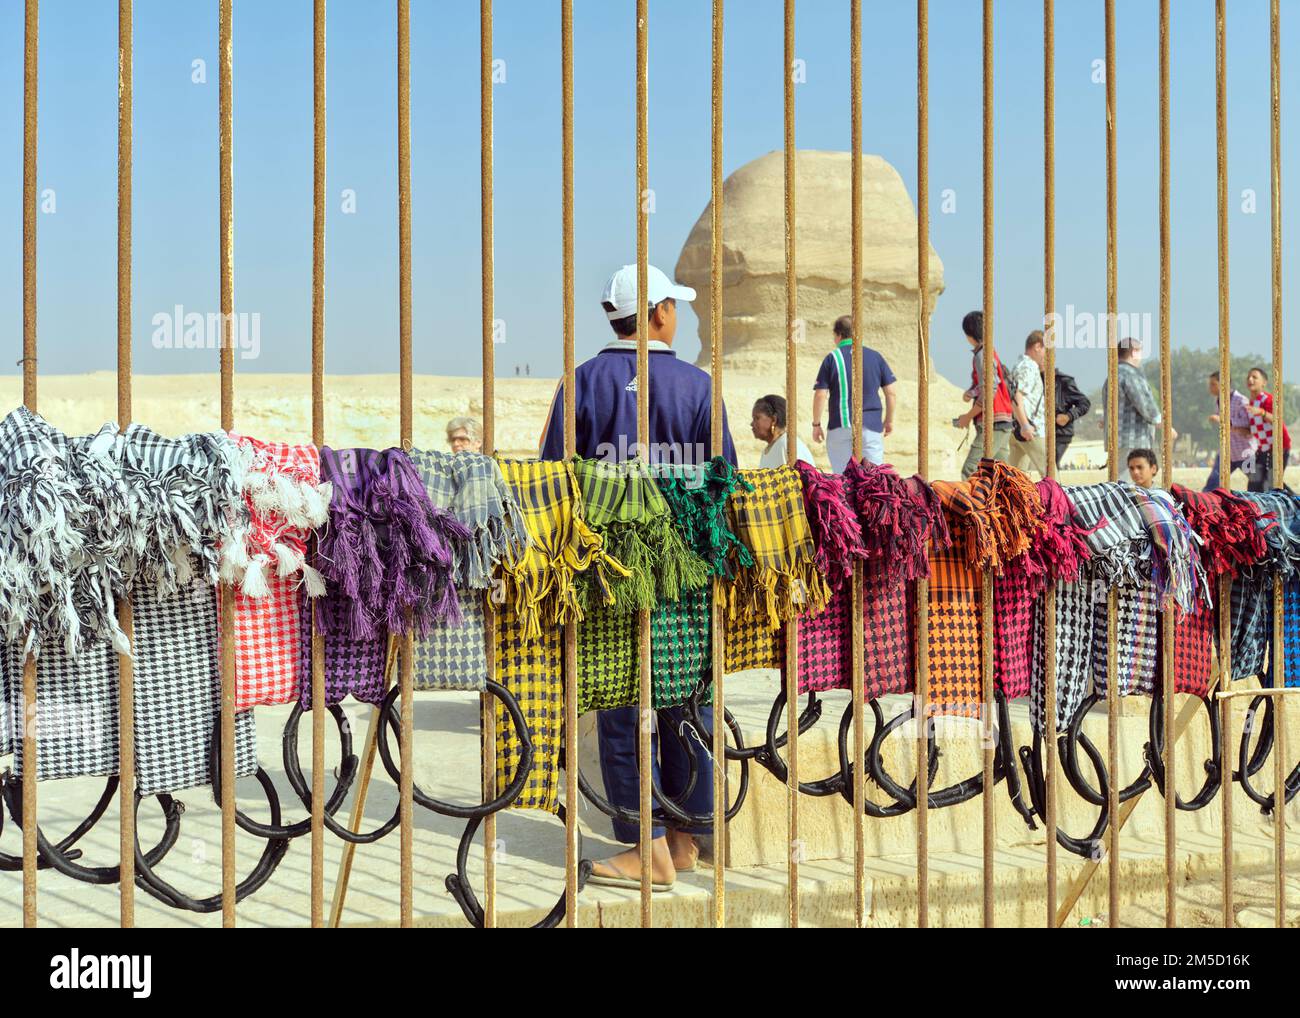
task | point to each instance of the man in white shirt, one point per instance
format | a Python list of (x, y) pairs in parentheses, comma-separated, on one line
[(768, 424), (1029, 439)]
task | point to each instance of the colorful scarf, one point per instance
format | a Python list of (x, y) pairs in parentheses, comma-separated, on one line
[(1278, 520), (267, 564), (538, 597), (1291, 631), (1230, 542), (624, 505), (171, 503), (994, 518), (471, 487), (894, 522), (825, 639), (1226, 526), (1063, 558), (680, 645), (783, 583), (388, 557)]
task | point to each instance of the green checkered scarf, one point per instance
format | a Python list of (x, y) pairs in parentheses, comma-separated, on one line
[(698, 498), (623, 504), (680, 638)]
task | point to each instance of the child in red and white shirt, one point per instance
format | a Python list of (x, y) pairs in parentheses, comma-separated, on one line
[(1263, 431)]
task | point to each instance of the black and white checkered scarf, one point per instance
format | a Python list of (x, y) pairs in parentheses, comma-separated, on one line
[(102, 517)]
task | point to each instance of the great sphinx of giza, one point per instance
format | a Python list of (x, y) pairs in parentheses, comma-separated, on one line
[(753, 296)]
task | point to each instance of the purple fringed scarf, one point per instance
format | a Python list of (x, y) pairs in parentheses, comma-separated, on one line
[(388, 557)]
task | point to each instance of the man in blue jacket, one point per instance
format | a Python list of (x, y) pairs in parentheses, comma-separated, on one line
[(680, 428)]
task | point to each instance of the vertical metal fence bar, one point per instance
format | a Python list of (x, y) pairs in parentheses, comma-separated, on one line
[(487, 710), (1112, 459), (922, 603), (792, 453), (990, 382), (318, 440), (487, 716), (226, 174), (718, 642), (571, 800), (1168, 618), (855, 216), (645, 754), (1279, 458), (1225, 421), (28, 720), (126, 676), (406, 411), (1049, 437)]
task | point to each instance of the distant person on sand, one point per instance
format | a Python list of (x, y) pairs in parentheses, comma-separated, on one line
[(1029, 438), (768, 425), (1003, 416), (465, 434), (1264, 431), (1139, 410), (681, 413), (834, 387), (1240, 443), (1143, 467), (1071, 405)]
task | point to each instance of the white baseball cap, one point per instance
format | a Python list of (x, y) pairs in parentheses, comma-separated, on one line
[(620, 291)]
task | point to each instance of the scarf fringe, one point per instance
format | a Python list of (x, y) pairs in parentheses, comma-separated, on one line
[(388, 552), (697, 497), (836, 529)]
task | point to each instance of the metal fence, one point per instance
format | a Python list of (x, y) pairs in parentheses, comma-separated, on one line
[(1057, 906)]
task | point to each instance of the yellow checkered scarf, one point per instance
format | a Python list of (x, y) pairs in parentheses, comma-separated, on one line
[(534, 596), (538, 580), (770, 521)]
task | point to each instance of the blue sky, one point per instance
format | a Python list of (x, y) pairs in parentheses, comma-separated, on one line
[(176, 166)]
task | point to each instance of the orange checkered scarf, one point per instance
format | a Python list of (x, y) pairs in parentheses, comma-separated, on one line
[(993, 518)]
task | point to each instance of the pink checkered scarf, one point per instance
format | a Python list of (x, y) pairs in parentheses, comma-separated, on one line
[(266, 566), (872, 514), (899, 518)]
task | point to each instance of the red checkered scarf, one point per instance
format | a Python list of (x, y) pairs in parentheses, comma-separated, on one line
[(265, 563), (1231, 540), (1001, 517)]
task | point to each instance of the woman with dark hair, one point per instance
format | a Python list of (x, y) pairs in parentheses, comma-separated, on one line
[(768, 424)]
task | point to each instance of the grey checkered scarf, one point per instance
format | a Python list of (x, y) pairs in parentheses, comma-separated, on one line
[(52, 589), (84, 519), (1177, 573), (1111, 518), (87, 520), (471, 487)]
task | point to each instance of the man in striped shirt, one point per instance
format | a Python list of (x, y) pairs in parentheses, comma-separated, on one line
[(833, 389)]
